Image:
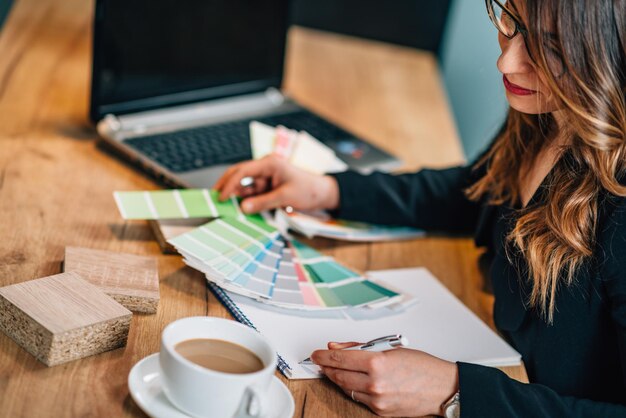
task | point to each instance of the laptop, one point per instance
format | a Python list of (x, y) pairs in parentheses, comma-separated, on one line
[(175, 85)]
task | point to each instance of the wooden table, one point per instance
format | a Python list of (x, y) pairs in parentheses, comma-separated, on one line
[(55, 190)]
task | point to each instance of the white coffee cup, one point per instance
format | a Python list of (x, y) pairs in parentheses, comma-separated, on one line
[(204, 393)]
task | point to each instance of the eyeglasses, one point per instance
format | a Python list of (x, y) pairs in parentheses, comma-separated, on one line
[(505, 20), (509, 25)]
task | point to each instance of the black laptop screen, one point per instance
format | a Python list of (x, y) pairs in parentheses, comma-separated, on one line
[(155, 53)]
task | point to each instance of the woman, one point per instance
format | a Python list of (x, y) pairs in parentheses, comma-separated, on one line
[(548, 201)]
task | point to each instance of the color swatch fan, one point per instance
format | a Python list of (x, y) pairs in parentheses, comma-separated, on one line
[(249, 257)]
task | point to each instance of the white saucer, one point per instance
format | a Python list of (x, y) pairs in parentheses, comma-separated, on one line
[(144, 384)]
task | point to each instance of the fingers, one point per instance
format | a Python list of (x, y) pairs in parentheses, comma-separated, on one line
[(348, 380), (229, 183), (359, 397), (340, 346), (361, 388), (270, 200), (373, 402), (220, 182), (361, 361), (260, 186)]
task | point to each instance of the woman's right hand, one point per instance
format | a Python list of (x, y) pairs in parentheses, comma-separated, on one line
[(277, 183)]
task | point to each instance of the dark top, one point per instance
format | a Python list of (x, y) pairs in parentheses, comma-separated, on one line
[(577, 365)]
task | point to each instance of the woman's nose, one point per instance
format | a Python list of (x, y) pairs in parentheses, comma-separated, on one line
[(514, 58)]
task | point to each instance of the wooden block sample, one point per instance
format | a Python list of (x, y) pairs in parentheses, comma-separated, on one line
[(132, 280), (62, 318)]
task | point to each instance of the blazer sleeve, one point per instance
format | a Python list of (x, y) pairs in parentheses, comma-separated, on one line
[(487, 392), (428, 199)]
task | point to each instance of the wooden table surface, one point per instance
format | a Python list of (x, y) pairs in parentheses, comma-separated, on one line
[(56, 190)]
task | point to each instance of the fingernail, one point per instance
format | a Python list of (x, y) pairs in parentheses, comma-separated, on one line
[(247, 207)]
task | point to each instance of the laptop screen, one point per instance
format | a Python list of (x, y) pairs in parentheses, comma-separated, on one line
[(155, 53)]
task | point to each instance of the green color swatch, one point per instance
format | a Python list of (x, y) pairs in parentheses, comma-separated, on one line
[(205, 236), (187, 244), (133, 205), (175, 204), (304, 252), (357, 293), (225, 209), (380, 289), (196, 204), (258, 221), (329, 297), (165, 204), (330, 271)]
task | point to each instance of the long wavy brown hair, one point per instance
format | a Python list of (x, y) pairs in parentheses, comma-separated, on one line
[(583, 61)]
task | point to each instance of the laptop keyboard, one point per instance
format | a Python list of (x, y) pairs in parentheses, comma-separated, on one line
[(224, 143)]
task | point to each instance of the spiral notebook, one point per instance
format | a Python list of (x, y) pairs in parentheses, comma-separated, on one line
[(435, 322)]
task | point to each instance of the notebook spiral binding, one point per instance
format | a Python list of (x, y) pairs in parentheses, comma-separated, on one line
[(232, 307)]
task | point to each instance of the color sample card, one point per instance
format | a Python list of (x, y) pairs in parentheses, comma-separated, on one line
[(226, 246), (175, 204), (321, 224), (328, 272), (304, 253), (246, 255), (299, 148), (251, 258)]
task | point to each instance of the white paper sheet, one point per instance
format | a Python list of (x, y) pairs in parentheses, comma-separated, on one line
[(438, 324)]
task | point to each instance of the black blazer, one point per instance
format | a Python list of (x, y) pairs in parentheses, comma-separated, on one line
[(577, 365)]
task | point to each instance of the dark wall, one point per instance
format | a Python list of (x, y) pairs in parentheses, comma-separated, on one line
[(5, 7), (414, 23)]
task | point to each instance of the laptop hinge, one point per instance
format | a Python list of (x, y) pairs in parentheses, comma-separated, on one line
[(196, 114)]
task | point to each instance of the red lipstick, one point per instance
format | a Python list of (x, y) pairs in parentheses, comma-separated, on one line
[(515, 89)]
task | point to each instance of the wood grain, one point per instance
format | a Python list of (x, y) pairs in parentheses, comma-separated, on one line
[(132, 280), (55, 190), (391, 95), (62, 317)]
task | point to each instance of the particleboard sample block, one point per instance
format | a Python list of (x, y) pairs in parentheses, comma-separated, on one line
[(132, 280), (62, 318)]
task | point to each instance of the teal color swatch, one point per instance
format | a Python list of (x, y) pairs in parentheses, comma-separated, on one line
[(304, 252), (330, 271), (357, 293)]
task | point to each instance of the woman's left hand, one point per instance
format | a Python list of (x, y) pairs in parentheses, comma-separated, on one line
[(400, 382)]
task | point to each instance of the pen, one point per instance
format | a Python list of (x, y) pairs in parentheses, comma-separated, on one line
[(388, 342)]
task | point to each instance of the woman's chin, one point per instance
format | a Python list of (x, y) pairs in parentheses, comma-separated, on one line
[(530, 104)]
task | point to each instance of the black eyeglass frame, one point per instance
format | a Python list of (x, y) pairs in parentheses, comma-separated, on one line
[(519, 27)]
